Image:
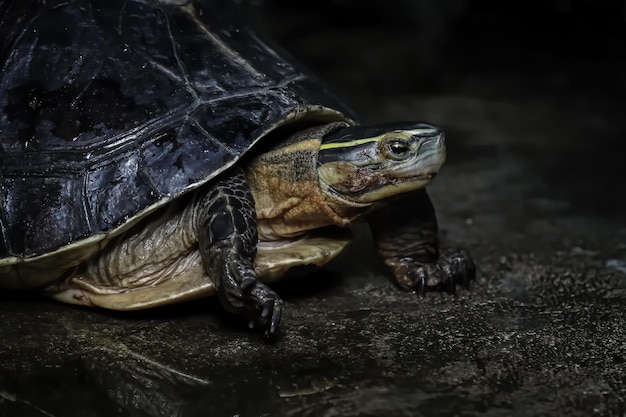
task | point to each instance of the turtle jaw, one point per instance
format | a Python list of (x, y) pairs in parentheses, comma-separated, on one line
[(402, 180), (382, 174)]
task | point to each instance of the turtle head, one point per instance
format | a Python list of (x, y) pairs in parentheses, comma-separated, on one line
[(364, 164)]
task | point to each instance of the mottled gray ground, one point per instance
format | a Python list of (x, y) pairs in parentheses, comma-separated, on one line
[(534, 188)]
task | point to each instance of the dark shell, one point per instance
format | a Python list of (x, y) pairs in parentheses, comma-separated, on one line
[(108, 107)]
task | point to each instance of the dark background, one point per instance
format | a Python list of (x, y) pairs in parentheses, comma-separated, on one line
[(531, 95)]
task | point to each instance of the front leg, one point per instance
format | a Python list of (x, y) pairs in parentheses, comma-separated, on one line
[(227, 237), (407, 238)]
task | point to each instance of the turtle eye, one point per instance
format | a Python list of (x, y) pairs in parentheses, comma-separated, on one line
[(397, 149)]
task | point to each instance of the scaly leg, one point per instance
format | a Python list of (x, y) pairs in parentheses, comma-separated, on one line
[(227, 236), (406, 234)]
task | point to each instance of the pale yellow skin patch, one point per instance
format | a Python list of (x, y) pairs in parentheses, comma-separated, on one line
[(159, 263), (188, 280)]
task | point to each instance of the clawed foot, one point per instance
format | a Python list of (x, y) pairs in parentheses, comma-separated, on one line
[(270, 307), (243, 295), (454, 267)]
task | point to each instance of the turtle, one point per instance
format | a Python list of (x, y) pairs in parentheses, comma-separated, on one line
[(157, 151)]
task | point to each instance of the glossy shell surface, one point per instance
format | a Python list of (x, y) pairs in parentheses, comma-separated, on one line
[(110, 109)]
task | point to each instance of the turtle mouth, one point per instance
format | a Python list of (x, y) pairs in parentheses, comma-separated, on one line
[(416, 178), (427, 176)]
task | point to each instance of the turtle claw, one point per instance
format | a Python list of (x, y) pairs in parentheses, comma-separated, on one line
[(242, 294), (454, 267), (420, 283), (460, 268), (277, 310), (271, 308)]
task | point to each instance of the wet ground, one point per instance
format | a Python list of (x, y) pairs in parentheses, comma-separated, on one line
[(533, 105)]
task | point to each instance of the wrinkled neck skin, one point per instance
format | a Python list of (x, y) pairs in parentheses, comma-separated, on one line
[(289, 197)]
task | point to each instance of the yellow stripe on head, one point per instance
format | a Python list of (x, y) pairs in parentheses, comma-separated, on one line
[(405, 134), (349, 143)]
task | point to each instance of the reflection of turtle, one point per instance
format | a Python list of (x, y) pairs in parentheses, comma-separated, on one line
[(131, 175)]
